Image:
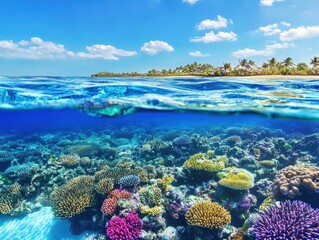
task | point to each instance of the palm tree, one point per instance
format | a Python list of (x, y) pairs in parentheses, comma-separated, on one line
[(252, 63), (315, 64), (287, 63), (243, 62), (272, 63), (302, 66)]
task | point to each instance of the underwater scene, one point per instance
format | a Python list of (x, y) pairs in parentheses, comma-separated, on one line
[(159, 158)]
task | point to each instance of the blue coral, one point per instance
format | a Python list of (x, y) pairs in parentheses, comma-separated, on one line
[(129, 180), (182, 140)]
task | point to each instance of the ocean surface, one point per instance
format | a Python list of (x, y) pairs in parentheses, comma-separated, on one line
[(77, 154)]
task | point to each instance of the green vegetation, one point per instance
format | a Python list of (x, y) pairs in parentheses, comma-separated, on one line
[(244, 68)]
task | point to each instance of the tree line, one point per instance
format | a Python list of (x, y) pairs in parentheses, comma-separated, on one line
[(244, 68)]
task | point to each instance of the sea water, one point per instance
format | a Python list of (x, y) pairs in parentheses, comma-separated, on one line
[(55, 129)]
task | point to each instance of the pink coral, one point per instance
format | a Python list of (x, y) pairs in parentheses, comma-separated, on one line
[(128, 228)]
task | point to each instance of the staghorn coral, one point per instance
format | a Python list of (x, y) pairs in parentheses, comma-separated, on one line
[(151, 211), (129, 180), (292, 180), (165, 182), (127, 228), (73, 197), (201, 161), (69, 160), (9, 198), (150, 196), (289, 220), (207, 215), (105, 185), (238, 179), (110, 203)]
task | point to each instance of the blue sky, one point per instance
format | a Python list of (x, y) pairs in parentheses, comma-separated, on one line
[(80, 37)]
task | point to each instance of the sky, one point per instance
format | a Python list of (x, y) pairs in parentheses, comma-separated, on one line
[(80, 37)]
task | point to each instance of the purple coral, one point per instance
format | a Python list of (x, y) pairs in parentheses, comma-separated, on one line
[(128, 228), (294, 220)]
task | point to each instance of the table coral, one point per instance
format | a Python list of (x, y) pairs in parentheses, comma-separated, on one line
[(238, 179), (201, 161), (208, 215)]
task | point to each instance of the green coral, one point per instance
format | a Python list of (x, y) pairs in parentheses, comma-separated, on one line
[(201, 161), (150, 200), (238, 179)]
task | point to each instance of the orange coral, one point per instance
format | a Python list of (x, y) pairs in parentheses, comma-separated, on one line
[(109, 204)]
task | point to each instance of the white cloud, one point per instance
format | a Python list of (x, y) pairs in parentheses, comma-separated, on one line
[(270, 29), (269, 50), (286, 24), (154, 47), (269, 2), (191, 2), (36, 48), (212, 37), (198, 54), (213, 24), (302, 32)]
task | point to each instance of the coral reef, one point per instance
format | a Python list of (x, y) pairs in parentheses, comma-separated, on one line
[(9, 198), (289, 220), (130, 180), (73, 197), (110, 203), (207, 215), (165, 182), (105, 185)]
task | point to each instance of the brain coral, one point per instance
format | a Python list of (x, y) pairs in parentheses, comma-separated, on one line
[(73, 197), (201, 161), (291, 180), (208, 215), (238, 179), (291, 221)]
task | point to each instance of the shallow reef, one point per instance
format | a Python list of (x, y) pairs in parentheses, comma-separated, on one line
[(143, 182)]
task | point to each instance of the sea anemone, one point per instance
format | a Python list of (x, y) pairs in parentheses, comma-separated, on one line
[(291, 220)]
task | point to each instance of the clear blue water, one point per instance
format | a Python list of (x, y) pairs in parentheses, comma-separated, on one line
[(37, 113)]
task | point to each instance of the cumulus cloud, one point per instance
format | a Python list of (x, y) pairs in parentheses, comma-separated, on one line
[(36, 48), (213, 24), (154, 47), (198, 54), (269, 2), (212, 37), (302, 32), (285, 24), (269, 50), (270, 29), (191, 2)]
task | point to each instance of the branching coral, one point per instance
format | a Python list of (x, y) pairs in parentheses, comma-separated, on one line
[(290, 220), (105, 185), (201, 161), (9, 197), (151, 211), (69, 160), (110, 203), (127, 228), (165, 182), (151, 200), (130, 180), (73, 197), (238, 179), (207, 215), (292, 180)]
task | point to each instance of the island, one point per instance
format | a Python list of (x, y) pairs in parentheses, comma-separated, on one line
[(244, 68)]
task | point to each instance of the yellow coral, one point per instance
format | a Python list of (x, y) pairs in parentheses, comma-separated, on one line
[(9, 197), (165, 182), (105, 185), (73, 197), (150, 196), (151, 211), (200, 161), (207, 215), (238, 179), (268, 202), (70, 160)]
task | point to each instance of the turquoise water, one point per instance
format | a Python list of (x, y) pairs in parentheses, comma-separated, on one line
[(55, 129)]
